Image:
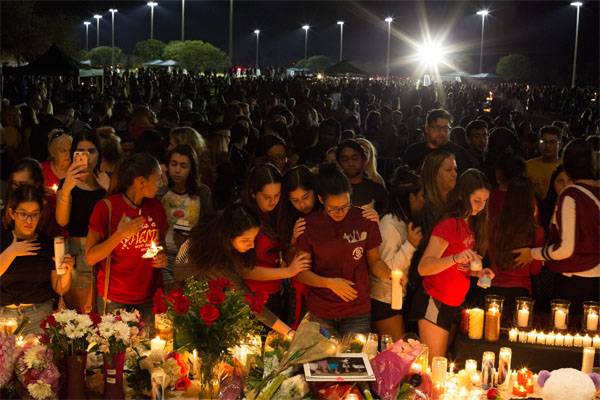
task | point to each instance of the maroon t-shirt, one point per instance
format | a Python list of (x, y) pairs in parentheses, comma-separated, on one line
[(338, 250), (133, 280)]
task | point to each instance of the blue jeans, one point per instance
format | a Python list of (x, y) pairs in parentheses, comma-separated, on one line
[(350, 325), (35, 315)]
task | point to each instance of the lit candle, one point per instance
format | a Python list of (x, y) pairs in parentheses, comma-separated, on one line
[(195, 362), (416, 368), (522, 336), (471, 366), (587, 341), (157, 348), (519, 390), (587, 363), (10, 326), (592, 321), (596, 342), (569, 340), (476, 379), (541, 338), (523, 317), (54, 188), (559, 340), (439, 366), (529, 386), (397, 290), (451, 368), (560, 318), (487, 369), (476, 323), (463, 379), (550, 339), (532, 337), (504, 359), (577, 340), (523, 375), (513, 334), (492, 324)]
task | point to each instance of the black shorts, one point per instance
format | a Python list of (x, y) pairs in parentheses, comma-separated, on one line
[(432, 310), (381, 310)]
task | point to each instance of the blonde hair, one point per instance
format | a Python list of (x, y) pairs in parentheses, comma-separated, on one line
[(371, 163), (429, 171), (54, 144)]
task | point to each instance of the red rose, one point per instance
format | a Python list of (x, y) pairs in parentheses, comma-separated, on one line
[(181, 305), (174, 294), (256, 301), (48, 322), (159, 306), (219, 284), (216, 297), (492, 394), (182, 384), (209, 314), (95, 317)]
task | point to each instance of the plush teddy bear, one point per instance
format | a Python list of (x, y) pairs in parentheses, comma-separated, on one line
[(568, 384)]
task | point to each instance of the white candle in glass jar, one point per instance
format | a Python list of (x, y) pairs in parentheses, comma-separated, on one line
[(559, 339), (550, 337), (513, 334), (587, 363), (523, 318), (587, 341), (592, 321), (578, 340), (522, 336), (568, 340), (532, 337), (541, 338), (560, 318)]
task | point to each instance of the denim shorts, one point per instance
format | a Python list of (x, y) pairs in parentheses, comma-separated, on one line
[(350, 325), (34, 313)]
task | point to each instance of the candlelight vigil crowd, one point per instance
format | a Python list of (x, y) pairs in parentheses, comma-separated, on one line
[(318, 194)]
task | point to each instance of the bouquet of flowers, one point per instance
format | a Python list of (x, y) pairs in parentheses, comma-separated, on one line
[(69, 332), (37, 372), (116, 332), (7, 358), (211, 318)]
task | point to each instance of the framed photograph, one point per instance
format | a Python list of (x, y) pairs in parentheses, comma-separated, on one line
[(347, 367)]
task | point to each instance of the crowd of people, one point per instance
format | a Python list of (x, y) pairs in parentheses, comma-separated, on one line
[(307, 191)]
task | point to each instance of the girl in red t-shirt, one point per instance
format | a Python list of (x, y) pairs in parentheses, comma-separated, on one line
[(455, 242), (262, 194), (137, 220)]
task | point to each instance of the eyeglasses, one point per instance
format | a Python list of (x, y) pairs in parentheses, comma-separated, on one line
[(550, 142), (24, 216), (444, 128), (338, 210)]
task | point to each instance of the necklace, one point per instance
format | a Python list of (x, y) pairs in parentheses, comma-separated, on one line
[(139, 208)]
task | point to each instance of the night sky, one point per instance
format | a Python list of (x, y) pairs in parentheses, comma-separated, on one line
[(543, 29)]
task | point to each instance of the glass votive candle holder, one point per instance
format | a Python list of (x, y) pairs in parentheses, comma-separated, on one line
[(523, 316), (493, 315), (591, 311), (439, 369), (560, 314)]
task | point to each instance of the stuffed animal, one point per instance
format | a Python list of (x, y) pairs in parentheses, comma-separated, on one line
[(568, 383)]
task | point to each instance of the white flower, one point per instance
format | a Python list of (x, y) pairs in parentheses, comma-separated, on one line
[(65, 316), (84, 321), (74, 332), (129, 316), (108, 318), (32, 357), (40, 390), (106, 329), (121, 330)]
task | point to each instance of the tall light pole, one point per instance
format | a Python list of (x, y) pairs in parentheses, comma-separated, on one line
[(98, 17), (231, 31), (306, 28), (483, 14), (577, 4), (87, 31), (341, 24), (257, 33), (112, 11), (182, 20), (387, 61), (152, 4)]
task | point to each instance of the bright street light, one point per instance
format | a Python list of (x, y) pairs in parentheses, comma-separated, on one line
[(306, 28), (257, 33), (483, 14), (577, 4), (430, 54), (87, 31), (152, 4), (98, 17), (112, 11), (341, 24), (388, 20)]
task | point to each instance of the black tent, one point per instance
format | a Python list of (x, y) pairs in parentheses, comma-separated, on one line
[(53, 62), (344, 68)]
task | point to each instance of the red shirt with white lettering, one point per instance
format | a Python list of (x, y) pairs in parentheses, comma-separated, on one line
[(452, 284), (133, 280), (338, 250)]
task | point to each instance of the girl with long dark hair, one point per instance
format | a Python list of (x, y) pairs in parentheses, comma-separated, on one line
[(401, 237), (458, 239), (224, 247)]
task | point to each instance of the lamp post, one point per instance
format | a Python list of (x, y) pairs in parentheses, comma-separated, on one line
[(577, 4), (231, 31), (182, 20), (341, 24), (483, 14), (257, 33), (98, 17), (152, 4), (389, 32), (87, 31), (306, 28), (112, 48)]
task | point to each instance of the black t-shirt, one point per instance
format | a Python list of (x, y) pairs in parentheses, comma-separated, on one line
[(27, 279), (367, 192), (82, 205), (416, 153)]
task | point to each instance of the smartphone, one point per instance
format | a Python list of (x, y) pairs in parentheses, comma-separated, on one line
[(81, 158)]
